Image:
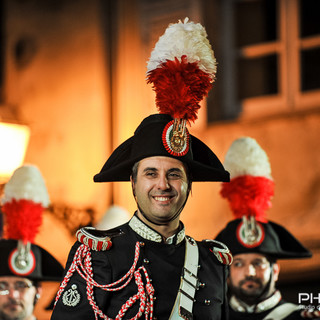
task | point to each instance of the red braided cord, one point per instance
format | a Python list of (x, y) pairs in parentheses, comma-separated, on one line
[(82, 263), (146, 297), (65, 281), (88, 278)]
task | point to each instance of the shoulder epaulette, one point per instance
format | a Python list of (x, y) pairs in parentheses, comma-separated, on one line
[(220, 250), (98, 240)]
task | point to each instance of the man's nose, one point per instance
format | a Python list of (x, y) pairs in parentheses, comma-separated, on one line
[(163, 183), (250, 270), (13, 293)]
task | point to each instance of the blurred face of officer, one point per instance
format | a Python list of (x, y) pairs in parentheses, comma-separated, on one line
[(252, 277), (160, 188), (17, 298)]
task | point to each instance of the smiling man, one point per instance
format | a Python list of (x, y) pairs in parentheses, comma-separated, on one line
[(160, 187), (148, 268)]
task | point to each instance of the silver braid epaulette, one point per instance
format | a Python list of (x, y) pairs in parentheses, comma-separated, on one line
[(97, 240), (220, 250)]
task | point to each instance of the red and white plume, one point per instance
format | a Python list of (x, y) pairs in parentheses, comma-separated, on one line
[(251, 186), (182, 68), (25, 198)]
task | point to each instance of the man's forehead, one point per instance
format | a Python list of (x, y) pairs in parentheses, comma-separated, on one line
[(249, 256), (161, 162), (13, 279)]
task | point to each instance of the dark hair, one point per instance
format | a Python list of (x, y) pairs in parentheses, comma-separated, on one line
[(134, 171)]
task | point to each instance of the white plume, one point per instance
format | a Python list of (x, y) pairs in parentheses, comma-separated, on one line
[(246, 157), (184, 38), (114, 216), (26, 183)]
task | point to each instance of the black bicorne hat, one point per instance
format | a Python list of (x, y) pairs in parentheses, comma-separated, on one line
[(182, 69), (272, 240), (149, 140), (24, 200), (40, 265), (249, 195)]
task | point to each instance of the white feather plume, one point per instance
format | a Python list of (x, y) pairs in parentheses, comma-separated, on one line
[(184, 38), (26, 183), (114, 216), (246, 157)]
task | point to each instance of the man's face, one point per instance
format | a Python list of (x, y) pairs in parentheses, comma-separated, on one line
[(160, 188), (249, 276), (17, 297)]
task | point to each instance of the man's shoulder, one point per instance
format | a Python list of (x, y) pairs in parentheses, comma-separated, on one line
[(100, 240), (218, 249)]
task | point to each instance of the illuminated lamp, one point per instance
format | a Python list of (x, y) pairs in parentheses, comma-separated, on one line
[(14, 140)]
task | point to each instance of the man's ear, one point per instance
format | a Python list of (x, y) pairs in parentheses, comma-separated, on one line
[(276, 271), (132, 186), (38, 293)]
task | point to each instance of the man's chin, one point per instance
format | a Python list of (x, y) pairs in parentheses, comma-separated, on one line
[(248, 296)]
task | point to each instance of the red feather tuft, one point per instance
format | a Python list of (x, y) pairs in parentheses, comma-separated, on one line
[(249, 196), (179, 87), (23, 219)]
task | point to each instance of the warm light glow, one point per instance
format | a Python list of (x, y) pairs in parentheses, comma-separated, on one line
[(14, 139)]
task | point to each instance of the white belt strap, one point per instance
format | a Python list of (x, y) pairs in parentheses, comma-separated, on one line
[(282, 311), (189, 283)]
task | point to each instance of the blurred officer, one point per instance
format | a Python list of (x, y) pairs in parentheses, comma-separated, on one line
[(23, 264), (256, 244)]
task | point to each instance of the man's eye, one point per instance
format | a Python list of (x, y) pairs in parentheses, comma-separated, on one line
[(260, 264), (150, 174), (237, 264), (174, 175), (21, 285), (3, 286)]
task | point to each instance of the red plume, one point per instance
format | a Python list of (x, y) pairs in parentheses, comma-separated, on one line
[(179, 87), (23, 219), (249, 196)]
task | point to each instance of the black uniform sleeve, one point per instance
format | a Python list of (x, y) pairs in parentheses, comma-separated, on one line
[(225, 305), (73, 303)]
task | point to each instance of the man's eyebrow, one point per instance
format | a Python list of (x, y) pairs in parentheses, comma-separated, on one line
[(175, 170), (155, 169), (150, 169), (259, 260)]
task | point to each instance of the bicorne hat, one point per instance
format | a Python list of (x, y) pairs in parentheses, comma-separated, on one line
[(249, 194), (181, 69), (150, 139), (25, 197)]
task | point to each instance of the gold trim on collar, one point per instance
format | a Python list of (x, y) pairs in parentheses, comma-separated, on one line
[(148, 233)]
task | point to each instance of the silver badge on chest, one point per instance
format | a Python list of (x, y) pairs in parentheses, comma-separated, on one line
[(71, 297)]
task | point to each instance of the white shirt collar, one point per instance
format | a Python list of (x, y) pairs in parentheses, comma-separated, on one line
[(262, 306)]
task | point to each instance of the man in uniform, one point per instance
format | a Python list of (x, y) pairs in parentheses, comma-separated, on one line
[(256, 244), (23, 264), (148, 268)]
